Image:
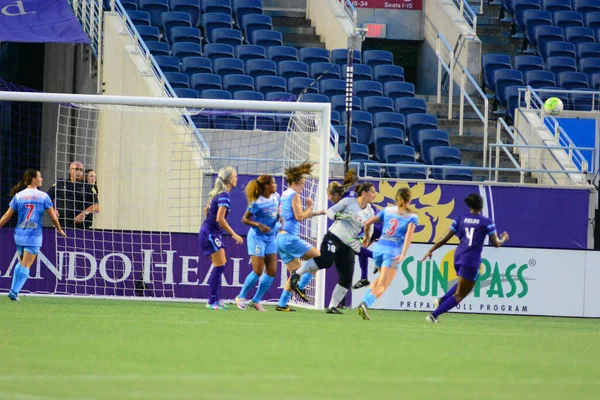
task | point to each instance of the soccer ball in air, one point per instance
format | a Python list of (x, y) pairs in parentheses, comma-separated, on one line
[(553, 106)]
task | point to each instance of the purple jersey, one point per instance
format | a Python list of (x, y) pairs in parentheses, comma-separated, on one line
[(471, 229), (350, 193), (210, 224)]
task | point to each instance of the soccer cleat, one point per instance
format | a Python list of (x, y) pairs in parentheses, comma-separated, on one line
[(437, 302), (301, 293), (241, 304), (285, 309), (256, 306), (294, 278), (360, 284), (13, 296), (363, 311), (214, 306), (432, 319), (223, 305), (333, 310), (375, 271)]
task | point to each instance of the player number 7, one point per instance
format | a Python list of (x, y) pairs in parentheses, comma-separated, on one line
[(29, 207)]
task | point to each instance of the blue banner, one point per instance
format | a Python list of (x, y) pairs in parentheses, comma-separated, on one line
[(40, 21)]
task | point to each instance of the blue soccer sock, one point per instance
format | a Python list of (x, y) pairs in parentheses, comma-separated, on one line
[(249, 283), (449, 293), (263, 286), (21, 279), (446, 306), (284, 299), (15, 275), (369, 298), (304, 281)]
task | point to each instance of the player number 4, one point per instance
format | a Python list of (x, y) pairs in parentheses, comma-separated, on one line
[(469, 233)]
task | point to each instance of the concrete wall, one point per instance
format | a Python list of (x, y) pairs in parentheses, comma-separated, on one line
[(331, 23)]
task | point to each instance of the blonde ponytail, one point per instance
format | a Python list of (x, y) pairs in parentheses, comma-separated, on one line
[(223, 178)]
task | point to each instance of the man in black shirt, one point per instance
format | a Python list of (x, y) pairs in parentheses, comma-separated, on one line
[(74, 199)]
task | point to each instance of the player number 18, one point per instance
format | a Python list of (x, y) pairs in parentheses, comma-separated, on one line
[(469, 233)]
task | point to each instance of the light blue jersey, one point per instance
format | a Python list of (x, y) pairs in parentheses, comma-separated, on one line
[(290, 224), (395, 226), (290, 245), (30, 205), (265, 211)]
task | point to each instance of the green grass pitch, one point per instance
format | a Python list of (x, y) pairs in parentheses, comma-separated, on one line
[(53, 348)]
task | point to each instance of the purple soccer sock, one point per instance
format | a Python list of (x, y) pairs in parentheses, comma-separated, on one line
[(446, 306), (214, 284), (363, 260), (449, 293)]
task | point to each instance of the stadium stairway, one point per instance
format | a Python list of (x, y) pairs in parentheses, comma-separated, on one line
[(289, 18), (495, 34)]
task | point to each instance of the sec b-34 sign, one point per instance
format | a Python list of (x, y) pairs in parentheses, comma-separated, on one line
[(408, 5)]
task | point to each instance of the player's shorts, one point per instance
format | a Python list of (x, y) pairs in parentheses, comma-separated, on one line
[(291, 247), (259, 245), (30, 249), (467, 272), (383, 255), (210, 242)]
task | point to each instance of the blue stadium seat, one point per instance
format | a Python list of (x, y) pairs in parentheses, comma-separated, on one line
[(416, 123), (214, 21), (508, 6), (361, 72), (175, 19), (216, 6), (592, 20), (227, 122), (312, 55), (410, 105), (215, 51), (232, 37), (141, 18), (335, 116), (357, 151), (586, 6), (299, 85), (186, 49), (526, 63), (261, 122), (202, 121), (491, 63), (242, 8), (155, 8), (293, 69), (457, 174), (268, 84), (520, 6), (159, 48), (282, 53), (573, 80), (215, 94), (511, 94), (589, 66), (256, 68), (576, 35), (386, 136), (250, 52), (332, 87), (388, 73), (503, 78), (191, 7), (377, 104), (533, 18), (202, 82), (129, 5), (177, 80), (390, 120), (588, 50), (255, 22), (364, 89), (584, 101), (443, 155), (398, 153), (228, 66), (560, 64), (560, 49), (556, 5), (238, 83), (280, 96), (406, 172), (187, 93), (323, 71), (185, 34), (148, 33), (545, 34), (341, 131), (595, 81), (554, 92), (377, 57), (363, 122), (168, 63), (397, 90), (429, 138), (196, 65), (340, 56), (314, 98), (539, 79), (266, 38), (338, 103), (564, 19), (248, 95)]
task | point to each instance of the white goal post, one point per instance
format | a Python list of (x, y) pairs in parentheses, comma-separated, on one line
[(154, 170)]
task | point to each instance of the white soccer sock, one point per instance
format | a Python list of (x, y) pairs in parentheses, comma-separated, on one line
[(309, 266), (338, 294)]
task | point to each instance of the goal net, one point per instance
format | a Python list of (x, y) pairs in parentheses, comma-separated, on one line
[(133, 232)]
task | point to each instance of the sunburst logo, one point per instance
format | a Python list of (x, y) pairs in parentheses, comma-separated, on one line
[(434, 218)]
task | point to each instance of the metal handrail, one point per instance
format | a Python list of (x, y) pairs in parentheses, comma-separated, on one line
[(483, 117), (467, 14), (351, 12), (449, 67)]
